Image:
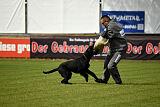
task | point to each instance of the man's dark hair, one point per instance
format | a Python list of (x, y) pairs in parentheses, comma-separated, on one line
[(106, 16)]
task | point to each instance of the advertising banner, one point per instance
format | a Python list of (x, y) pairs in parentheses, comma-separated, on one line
[(61, 46), (69, 47), (14, 47), (143, 47), (132, 21)]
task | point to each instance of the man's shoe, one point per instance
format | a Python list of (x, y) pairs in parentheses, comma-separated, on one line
[(119, 82)]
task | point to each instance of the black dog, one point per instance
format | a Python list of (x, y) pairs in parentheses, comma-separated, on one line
[(79, 65)]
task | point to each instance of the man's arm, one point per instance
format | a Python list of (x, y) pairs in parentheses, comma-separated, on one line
[(108, 33), (112, 30)]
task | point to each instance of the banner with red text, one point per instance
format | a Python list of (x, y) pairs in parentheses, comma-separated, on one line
[(60, 46), (139, 47), (14, 47), (143, 46)]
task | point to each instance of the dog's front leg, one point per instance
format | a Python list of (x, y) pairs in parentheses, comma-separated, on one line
[(92, 74)]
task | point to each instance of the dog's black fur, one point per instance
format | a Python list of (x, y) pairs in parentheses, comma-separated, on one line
[(79, 65)]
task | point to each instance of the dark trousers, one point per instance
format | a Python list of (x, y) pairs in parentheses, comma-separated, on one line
[(110, 66)]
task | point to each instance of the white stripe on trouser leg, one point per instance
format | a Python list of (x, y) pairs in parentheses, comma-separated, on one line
[(103, 78), (118, 58)]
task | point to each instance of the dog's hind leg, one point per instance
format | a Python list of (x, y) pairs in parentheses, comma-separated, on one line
[(64, 81), (85, 75), (66, 75), (66, 78)]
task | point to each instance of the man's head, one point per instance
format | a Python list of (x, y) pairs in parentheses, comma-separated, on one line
[(105, 20)]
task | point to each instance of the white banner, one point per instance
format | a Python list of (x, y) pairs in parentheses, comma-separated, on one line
[(151, 8), (12, 16), (63, 16)]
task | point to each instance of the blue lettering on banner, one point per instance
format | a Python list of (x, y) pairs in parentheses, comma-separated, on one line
[(132, 21)]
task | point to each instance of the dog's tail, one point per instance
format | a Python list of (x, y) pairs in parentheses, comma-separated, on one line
[(48, 72)]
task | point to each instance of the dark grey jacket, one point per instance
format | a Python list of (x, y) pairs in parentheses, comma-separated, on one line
[(115, 33)]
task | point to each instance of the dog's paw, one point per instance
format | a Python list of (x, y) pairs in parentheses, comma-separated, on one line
[(45, 72), (86, 79), (65, 82), (100, 81)]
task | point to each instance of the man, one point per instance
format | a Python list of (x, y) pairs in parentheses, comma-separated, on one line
[(117, 45)]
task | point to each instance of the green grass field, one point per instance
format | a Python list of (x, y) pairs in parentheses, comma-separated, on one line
[(22, 84)]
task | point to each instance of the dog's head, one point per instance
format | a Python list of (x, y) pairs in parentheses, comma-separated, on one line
[(89, 52)]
